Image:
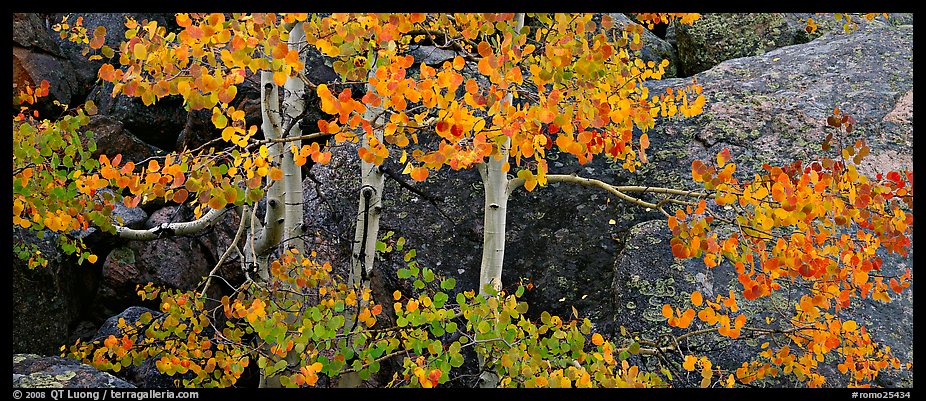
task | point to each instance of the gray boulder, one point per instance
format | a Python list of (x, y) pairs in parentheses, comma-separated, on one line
[(717, 37), (34, 371)]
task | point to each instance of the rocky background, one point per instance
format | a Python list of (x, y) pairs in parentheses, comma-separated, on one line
[(769, 87)]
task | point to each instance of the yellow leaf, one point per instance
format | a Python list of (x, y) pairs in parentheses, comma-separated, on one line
[(849, 325), (140, 51)]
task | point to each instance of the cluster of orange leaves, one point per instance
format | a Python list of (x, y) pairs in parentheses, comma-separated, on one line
[(822, 224)]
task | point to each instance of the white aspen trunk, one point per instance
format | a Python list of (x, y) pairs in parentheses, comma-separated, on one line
[(368, 212), (293, 107), (495, 182), (274, 218), (366, 233), (285, 223)]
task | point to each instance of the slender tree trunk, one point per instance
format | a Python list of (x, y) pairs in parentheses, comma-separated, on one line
[(366, 233), (495, 182), (287, 219), (368, 211), (293, 109)]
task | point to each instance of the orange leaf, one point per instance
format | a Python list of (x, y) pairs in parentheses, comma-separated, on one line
[(723, 157), (696, 298), (107, 72), (217, 202), (667, 311), (419, 173), (689, 363), (180, 195), (597, 339), (686, 318), (276, 174), (183, 20), (279, 78)]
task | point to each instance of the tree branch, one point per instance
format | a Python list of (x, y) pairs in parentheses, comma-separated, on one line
[(171, 229)]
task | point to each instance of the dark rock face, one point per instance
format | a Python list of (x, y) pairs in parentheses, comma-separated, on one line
[(37, 57), (47, 299), (112, 139), (174, 262), (34, 371), (158, 125)]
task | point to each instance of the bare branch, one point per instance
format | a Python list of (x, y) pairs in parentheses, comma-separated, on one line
[(171, 229)]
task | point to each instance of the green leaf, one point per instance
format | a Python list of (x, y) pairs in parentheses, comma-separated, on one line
[(418, 284), (428, 275), (410, 254), (436, 329), (451, 327), (519, 292), (634, 348), (623, 355), (280, 365), (448, 283), (545, 317), (404, 273), (400, 243), (440, 299)]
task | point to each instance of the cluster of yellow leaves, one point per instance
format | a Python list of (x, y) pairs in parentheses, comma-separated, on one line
[(175, 338)]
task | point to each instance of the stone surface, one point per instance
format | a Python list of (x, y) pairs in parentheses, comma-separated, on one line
[(647, 276), (717, 37), (112, 138), (174, 262), (654, 49), (34, 371), (48, 299), (37, 57)]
